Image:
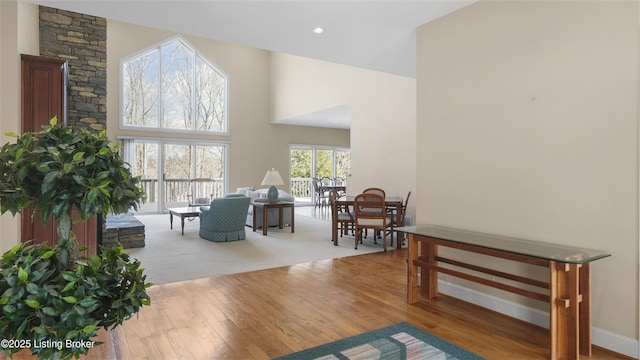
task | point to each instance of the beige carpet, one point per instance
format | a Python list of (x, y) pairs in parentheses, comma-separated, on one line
[(170, 257)]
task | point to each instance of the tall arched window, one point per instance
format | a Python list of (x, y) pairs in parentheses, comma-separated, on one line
[(171, 86)]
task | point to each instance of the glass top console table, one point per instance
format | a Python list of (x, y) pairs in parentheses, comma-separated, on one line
[(568, 291)]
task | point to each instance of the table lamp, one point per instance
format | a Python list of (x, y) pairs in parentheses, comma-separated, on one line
[(272, 178)]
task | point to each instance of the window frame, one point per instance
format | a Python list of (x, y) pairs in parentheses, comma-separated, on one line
[(161, 141), (159, 127)]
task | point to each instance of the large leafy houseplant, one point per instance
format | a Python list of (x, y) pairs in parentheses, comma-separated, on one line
[(53, 300)]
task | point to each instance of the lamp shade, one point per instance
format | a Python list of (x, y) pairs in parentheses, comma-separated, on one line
[(272, 178)]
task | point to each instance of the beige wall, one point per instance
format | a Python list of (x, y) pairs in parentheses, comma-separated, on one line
[(17, 36), (528, 127), (527, 124), (382, 107), (256, 144)]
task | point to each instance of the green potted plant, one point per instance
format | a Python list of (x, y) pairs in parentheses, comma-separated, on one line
[(53, 300)]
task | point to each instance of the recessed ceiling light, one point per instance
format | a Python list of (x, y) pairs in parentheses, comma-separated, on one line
[(318, 30)]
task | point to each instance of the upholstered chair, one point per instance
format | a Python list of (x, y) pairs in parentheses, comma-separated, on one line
[(224, 219)]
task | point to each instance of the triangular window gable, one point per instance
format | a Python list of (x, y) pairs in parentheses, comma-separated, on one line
[(173, 86)]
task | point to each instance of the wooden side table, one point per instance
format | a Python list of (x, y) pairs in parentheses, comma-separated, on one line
[(280, 205)]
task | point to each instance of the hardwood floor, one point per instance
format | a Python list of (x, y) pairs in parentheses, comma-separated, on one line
[(268, 313)]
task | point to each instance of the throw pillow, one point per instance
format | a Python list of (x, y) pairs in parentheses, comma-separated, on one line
[(253, 195), (244, 190)]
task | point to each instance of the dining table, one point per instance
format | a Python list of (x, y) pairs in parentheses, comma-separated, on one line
[(338, 188), (391, 202)]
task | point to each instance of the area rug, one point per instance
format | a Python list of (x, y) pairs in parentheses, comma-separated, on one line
[(169, 256), (395, 342)]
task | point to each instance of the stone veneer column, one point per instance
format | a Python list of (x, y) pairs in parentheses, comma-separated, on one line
[(82, 40)]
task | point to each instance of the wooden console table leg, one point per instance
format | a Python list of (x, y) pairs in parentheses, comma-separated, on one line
[(564, 307), (585, 310), (420, 248), (412, 269), (429, 274)]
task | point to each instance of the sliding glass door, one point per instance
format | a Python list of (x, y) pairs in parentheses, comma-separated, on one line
[(324, 163), (144, 157), (301, 170), (342, 164), (309, 162), (167, 168)]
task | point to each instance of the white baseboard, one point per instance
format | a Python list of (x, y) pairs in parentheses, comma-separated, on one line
[(600, 337)]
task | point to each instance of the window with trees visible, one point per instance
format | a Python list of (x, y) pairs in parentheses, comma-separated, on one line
[(309, 162), (173, 87), (167, 166)]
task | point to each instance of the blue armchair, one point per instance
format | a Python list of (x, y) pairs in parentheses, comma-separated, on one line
[(224, 219)]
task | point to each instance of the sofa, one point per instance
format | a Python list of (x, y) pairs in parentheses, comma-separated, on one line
[(261, 196), (224, 219)]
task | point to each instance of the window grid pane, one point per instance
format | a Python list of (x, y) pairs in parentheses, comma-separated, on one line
[(187, 90), (177, 86), (140, 90)]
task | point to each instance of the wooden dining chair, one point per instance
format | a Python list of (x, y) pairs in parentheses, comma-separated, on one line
[(398, 219), (339, 181), (371, 213), (321, 195), (326, 183), (346, 220), (374, 190)]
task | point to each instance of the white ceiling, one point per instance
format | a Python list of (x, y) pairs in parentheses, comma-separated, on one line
[(377, 35)]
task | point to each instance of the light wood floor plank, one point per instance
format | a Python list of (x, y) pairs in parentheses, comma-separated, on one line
[(268, 313)]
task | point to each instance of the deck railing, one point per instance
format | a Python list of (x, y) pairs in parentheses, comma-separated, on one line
[(301, 187), (179, 190)]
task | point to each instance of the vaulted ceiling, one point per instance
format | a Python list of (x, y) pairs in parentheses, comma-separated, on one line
[(376, 35)]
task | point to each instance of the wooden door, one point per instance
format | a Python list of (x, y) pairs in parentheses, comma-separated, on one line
[(44, 91), (85, 231), (44, 95)]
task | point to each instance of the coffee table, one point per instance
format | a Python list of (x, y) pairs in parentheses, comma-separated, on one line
[(280, 205), (183, 212)]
